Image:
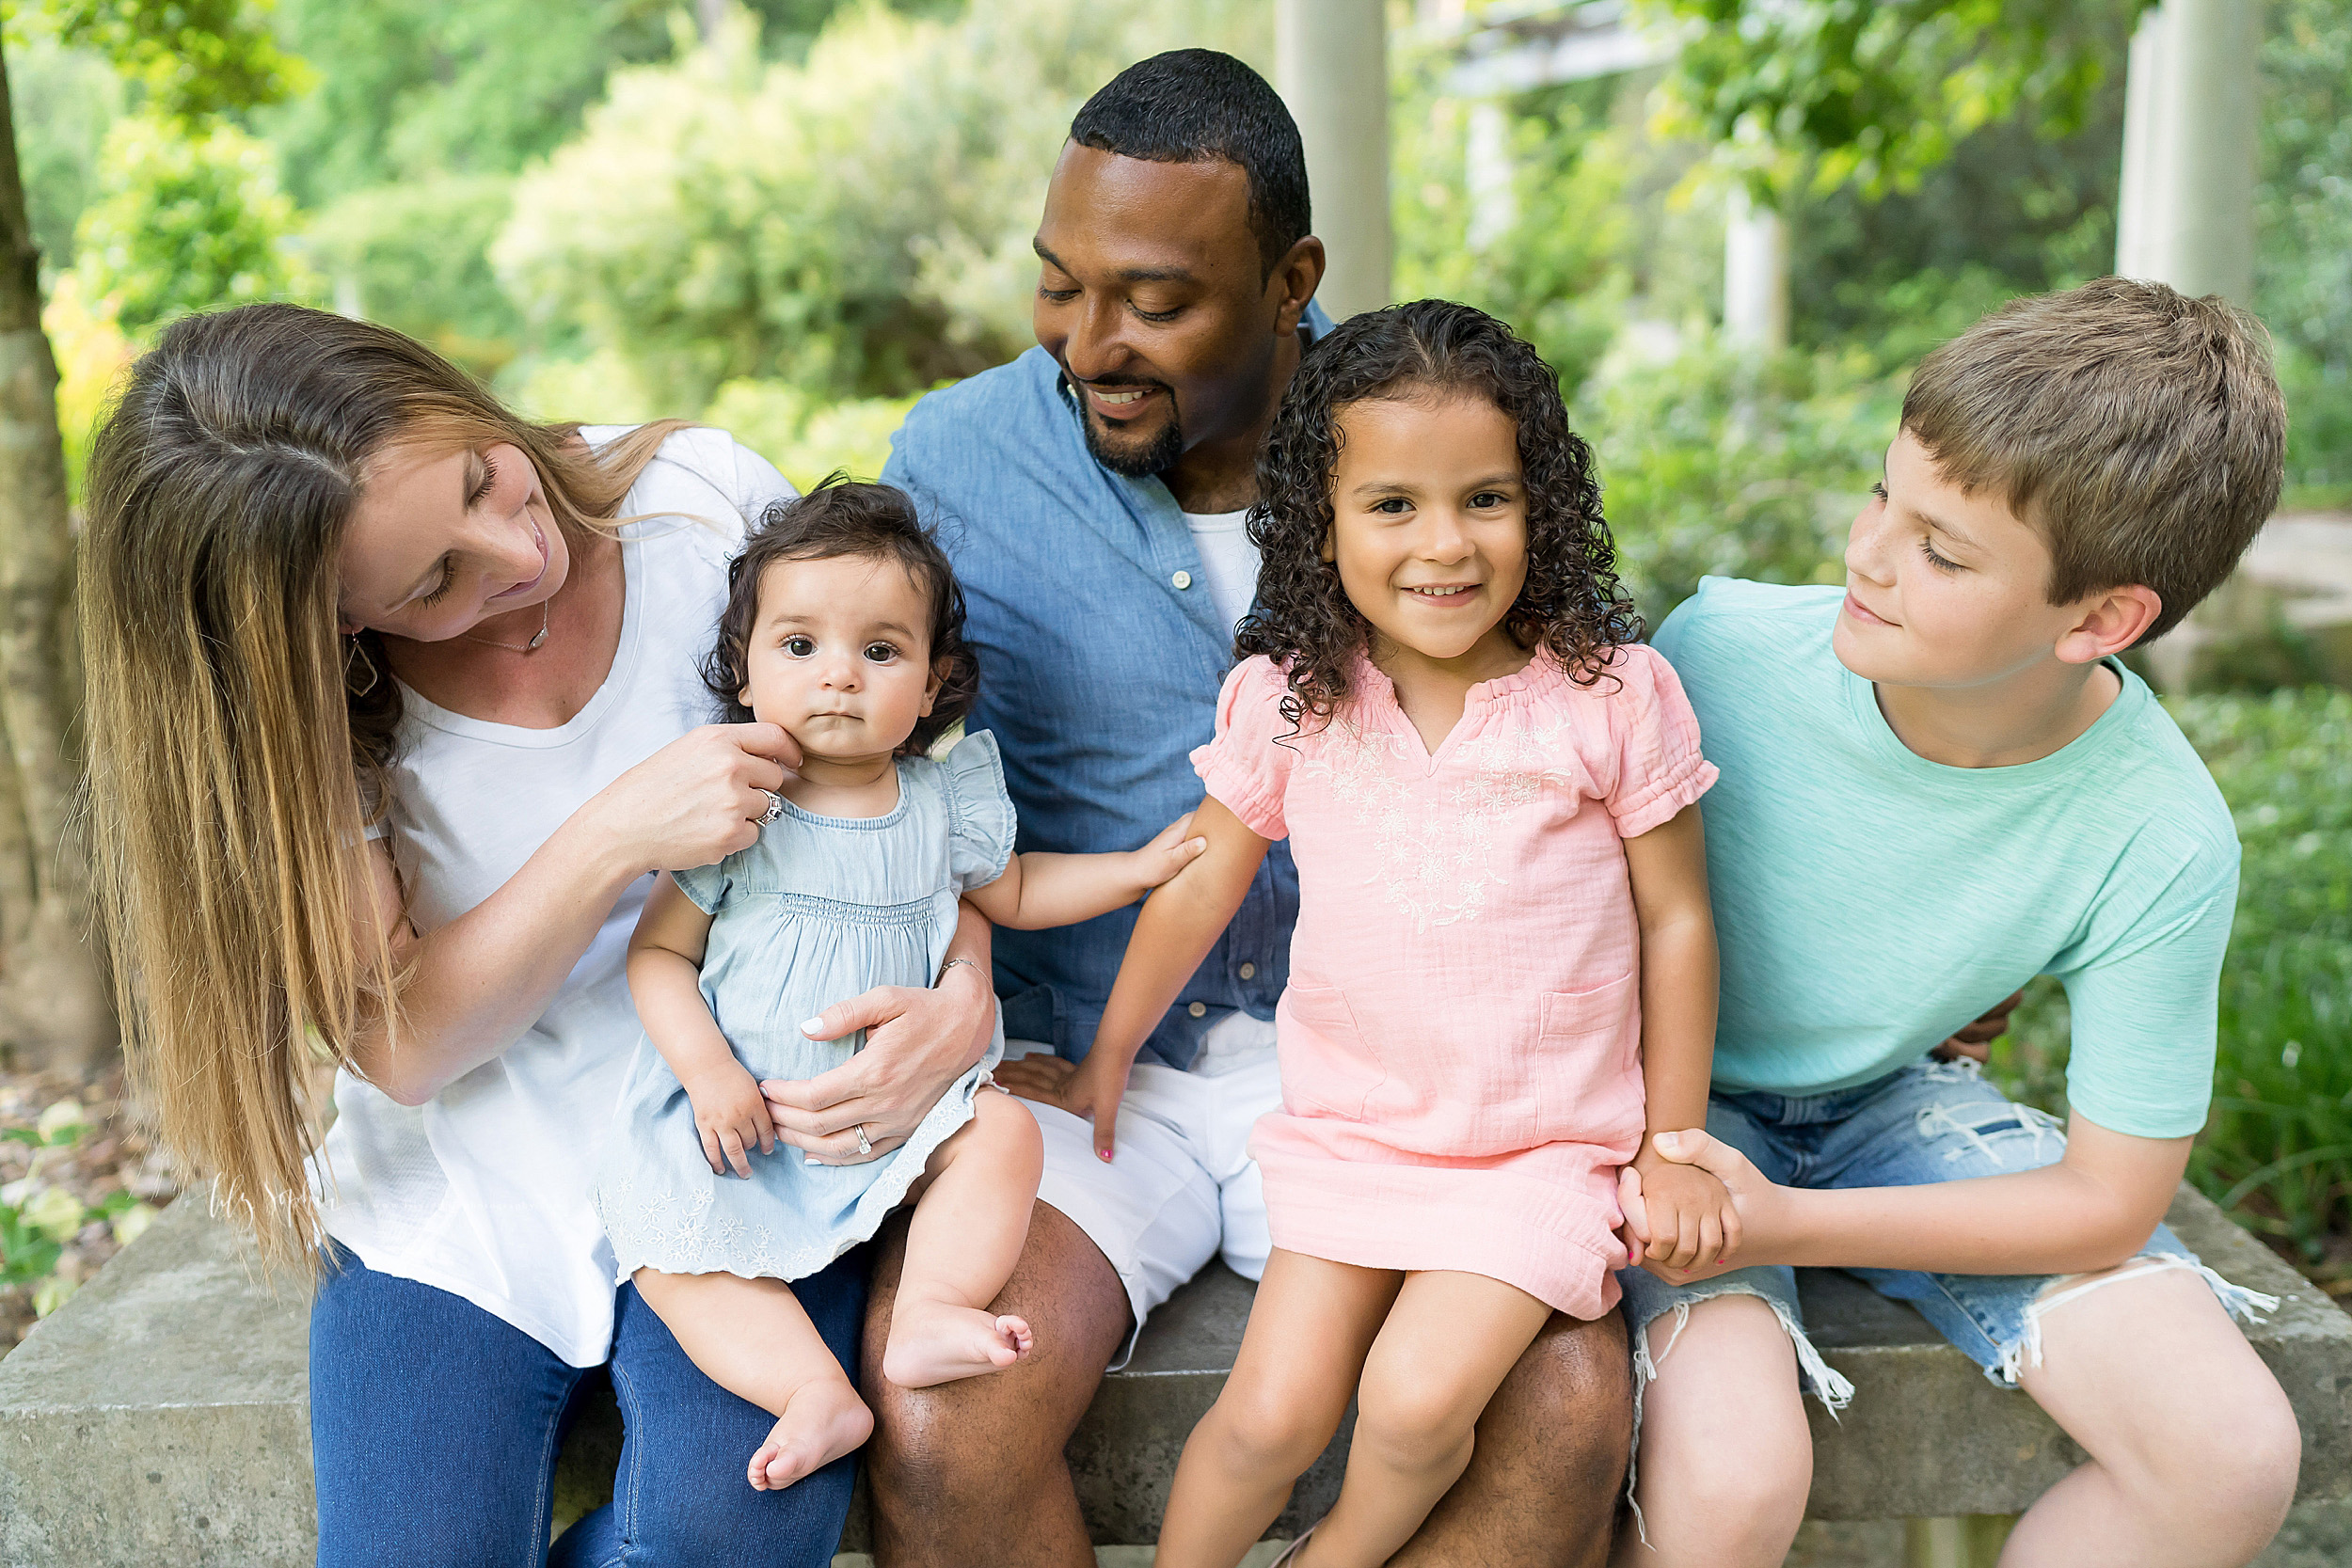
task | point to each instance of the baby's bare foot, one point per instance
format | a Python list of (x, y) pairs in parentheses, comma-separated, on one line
[(935, 1343), (823, 1421)]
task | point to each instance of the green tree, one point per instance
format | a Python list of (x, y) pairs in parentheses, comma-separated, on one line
[(186, 221), (858, 225), (1877, 92), (191, 58)]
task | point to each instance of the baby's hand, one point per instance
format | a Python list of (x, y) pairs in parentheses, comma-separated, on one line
[(1692, 1223), (1171, 849), (731, 1115)]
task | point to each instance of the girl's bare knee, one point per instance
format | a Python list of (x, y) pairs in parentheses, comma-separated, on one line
[(1267, 1430), (1413, 1419)]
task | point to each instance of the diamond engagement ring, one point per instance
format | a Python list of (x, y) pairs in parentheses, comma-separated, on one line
[(863, 1147), (774, 813)]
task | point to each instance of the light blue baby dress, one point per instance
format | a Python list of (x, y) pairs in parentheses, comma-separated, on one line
[(820, 909)]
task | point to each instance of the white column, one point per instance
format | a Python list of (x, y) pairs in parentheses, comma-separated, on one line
[(1331, 66), (1494, 203), (2192, 124), (1755, 274)]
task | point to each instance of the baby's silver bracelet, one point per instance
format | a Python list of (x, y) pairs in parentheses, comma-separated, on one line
[(950, 964)]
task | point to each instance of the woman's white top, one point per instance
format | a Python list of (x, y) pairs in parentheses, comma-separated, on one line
[(482, 1192)]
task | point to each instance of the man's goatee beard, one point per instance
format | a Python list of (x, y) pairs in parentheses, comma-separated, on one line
[(1157, 457)]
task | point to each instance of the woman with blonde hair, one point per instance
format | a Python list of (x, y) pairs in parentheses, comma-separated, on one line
[(393, 714)]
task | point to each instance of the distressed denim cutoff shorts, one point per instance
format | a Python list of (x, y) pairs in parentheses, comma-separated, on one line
[(1935, 1121)]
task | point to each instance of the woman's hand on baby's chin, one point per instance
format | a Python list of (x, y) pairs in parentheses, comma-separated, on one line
[(694, 802)]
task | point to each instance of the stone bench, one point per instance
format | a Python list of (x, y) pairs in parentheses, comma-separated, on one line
[(162, 1415)]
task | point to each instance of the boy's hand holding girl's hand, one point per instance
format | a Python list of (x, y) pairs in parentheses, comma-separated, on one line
[(1750, 1205), (732, 1116), (1677, 1217)]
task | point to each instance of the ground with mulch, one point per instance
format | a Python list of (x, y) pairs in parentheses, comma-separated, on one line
[(87, 1183)]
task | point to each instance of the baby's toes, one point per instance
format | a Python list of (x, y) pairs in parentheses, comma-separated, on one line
[(757, 1474), (1019, 1341)]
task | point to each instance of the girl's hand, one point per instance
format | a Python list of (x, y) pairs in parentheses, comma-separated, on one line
[(731, 1116), (1693, 1223), (917, 1043), (1757, 1204), (696, 801), (1092, 1089)]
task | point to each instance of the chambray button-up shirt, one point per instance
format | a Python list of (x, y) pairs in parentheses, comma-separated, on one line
[(1101, 655)]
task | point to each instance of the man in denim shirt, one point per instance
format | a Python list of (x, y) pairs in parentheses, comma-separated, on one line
[(1091, 494)]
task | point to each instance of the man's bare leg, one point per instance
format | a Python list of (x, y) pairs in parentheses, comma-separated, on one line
[(1544, 1481), (971, 1474)]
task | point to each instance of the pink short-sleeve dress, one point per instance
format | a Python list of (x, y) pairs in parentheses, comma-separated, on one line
[(1460, 1039)]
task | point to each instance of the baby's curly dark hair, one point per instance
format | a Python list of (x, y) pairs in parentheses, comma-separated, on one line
[(1571, 605), (845, 518)]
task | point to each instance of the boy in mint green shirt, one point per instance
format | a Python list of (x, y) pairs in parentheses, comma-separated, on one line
[(1938, 783)]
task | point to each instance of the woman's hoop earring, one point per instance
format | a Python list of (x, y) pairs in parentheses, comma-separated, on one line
[(359, 649)]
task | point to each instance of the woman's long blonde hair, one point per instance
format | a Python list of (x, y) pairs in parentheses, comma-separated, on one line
[(238, 746)]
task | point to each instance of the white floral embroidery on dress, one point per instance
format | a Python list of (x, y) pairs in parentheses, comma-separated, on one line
[(1437, 864)]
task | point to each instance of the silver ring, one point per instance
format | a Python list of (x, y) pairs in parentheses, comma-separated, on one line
[(774, 813), (863, 1147)]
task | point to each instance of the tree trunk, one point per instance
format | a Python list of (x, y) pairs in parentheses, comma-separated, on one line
[(54, 1005)]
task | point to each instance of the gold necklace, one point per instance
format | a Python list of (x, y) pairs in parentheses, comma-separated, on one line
[(536, 638)]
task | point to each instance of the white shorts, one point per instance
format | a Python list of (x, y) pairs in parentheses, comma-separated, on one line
[(1181, 1187)]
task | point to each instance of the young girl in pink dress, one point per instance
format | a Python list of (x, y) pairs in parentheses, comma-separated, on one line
[(1504, 966)]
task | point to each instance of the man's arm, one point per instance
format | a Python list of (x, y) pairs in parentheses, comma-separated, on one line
[(2092, 1210)]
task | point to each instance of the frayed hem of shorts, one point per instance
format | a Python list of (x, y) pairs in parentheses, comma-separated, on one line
[(2245, 1304), (1822, 1381)]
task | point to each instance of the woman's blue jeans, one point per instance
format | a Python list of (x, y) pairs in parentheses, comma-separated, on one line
[(434, 1426)]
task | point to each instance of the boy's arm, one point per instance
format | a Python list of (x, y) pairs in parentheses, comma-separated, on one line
[(1688, 1218), (1040, 889), (1179, 924), (2092, 1210), (665, 956)]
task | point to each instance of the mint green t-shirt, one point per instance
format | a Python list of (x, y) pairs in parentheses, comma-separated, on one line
[(1869, 902)]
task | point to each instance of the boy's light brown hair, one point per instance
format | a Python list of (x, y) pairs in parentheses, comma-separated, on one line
[(2140, 430)]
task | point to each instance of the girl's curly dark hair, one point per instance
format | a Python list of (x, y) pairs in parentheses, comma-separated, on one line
[(1571, 605), (843, 517)]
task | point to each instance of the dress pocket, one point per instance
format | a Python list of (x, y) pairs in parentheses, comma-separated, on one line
[(1326, 1063), (1589, 1086)]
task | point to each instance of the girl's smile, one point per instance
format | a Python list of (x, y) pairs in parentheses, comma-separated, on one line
[(1429, 532)]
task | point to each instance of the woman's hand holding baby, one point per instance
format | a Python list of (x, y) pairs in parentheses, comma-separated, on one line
[(917, 1043), (731, 1115)]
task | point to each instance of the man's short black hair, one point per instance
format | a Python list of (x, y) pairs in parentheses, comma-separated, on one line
[(1189, 105)]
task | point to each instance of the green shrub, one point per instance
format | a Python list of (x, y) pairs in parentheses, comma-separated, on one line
[(1723, 464)]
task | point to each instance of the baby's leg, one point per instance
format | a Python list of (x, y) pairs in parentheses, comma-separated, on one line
[(1308, 1331), (1447, 1344), (969, 1226), (750, 1337)]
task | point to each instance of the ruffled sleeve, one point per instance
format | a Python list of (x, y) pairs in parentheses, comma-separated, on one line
[(1245, 767), (707, 886), (980, 818), (1655, 737)]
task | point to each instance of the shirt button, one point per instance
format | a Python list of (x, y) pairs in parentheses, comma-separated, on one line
[(1198, 1009), (1250, 972), (1182, 579)]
